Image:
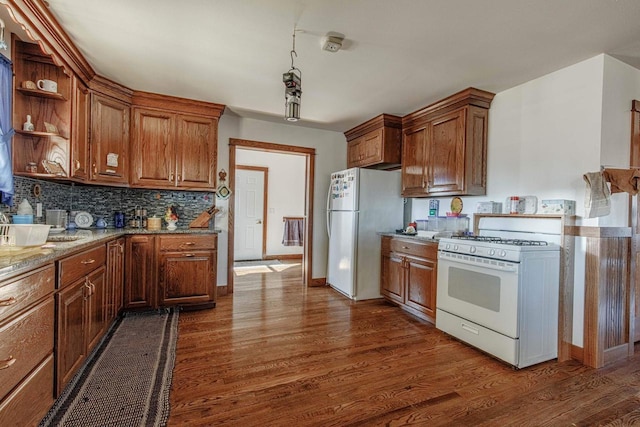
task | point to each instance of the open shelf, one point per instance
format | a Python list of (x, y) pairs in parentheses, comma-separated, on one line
[(41, 94), (39, 134)]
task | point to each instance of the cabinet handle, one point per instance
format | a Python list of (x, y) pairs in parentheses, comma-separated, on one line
[(92, 287), (8, 301), (179, 178), (86, 292), (88, 261), (189, 243), (121, 248), (405, 247), (7, 363), (171, 177), (95, 169), (189, 255), (424, 184), (77, 164)]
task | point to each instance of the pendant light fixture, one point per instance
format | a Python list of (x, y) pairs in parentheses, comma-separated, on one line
[(293, 88)]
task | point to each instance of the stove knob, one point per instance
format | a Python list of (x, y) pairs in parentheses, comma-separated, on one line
[(492, 252), (455, 247), (472, 249), (448, 246), (503, 253)]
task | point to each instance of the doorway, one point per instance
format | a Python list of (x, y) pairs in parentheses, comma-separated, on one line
[(309, 157)]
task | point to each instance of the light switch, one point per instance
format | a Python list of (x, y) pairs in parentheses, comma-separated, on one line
[(38, 210)]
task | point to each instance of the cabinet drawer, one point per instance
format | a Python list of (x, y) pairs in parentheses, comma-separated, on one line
[(24, 343), (76, 266), (187, 243), (31, 400), (22, 291), (415, 248)]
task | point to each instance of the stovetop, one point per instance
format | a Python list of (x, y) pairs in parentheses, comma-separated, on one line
[(495, 247), (512, 242)]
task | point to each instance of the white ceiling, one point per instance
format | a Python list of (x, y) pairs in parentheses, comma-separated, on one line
[(399, 55)]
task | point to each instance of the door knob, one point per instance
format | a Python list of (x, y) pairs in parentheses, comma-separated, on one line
[(259, 221)]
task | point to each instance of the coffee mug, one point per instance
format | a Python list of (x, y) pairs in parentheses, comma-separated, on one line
[(48, 85)]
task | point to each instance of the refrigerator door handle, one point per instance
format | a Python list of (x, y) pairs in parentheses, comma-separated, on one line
[(328, 212)]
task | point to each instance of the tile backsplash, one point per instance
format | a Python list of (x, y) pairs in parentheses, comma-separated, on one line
[(103, 202)]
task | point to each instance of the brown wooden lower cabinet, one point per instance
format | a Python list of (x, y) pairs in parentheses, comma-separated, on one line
[(187, 270), (169, 270), (80, 304), (409, 275), (140, 269), (26, 346), (115, 278)]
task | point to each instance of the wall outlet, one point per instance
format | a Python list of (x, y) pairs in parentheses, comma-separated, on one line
[(38, 210)]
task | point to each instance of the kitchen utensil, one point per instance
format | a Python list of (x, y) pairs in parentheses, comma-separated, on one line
[(56, 217), (83, 219), (202, 221)]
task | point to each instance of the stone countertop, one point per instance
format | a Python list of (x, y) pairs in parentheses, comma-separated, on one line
[(63, 244), (411, 237)]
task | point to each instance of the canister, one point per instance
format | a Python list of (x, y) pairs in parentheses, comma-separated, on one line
[(154, 223)]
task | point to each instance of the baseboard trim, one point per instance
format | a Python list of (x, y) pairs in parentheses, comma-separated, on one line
[(577, 353), (222, 291), (320, 281)]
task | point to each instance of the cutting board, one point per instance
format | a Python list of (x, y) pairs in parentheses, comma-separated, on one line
[(202, 221)]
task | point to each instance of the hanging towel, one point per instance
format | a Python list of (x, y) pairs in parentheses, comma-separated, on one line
[(6, 132), (623, 180), (293, 232), (597, 200)]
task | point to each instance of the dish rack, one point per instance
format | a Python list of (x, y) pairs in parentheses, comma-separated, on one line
[(22, 235)]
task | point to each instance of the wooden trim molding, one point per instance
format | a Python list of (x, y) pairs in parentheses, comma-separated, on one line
[(378, 122), (309, 153), (320, 281), (597, 232), (45, 29), (182, 105)]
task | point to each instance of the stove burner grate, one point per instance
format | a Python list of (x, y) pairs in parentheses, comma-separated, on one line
[(512, 242)]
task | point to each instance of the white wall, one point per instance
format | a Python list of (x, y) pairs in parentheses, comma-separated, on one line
[(286, 191), (331, 155), (546, 133)]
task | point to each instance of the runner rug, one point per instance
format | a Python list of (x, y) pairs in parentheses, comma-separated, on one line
[(126, 380)]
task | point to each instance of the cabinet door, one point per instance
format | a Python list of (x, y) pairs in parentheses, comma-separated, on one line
[(71, 342), (392, 277), (80, 130), (153, 132), (372, 148), (354, 153), (96, 307), (109, 140), (446, 154), (140, 278), (186, 277), (115, 278), (414, 179), (196, 155), (421, 285)]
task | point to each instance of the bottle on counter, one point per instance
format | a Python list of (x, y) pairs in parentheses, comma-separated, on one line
[(514, 204)]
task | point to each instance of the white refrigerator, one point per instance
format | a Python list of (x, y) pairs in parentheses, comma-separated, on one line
[(360, 204)]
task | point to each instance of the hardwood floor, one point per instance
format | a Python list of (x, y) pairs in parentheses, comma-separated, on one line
[(277, 354)]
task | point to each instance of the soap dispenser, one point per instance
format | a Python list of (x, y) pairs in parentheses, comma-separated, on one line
[(24, 208)]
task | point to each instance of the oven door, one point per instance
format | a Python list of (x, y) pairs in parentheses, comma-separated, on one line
[(483, 291)]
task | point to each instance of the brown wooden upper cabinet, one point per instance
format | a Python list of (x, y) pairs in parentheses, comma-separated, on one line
[(109, 140), (80, 120), (375, 143), (182, 135), (444, 146)]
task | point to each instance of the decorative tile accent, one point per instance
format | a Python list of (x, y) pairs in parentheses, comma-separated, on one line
[(103, 202)]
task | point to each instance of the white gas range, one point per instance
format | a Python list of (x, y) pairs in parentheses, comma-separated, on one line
[(500, 295)]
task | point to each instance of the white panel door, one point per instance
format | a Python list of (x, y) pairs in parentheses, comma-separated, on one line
[(341, 269), (249, 214)]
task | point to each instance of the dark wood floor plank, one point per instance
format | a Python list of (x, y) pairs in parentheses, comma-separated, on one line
[(278, 354)]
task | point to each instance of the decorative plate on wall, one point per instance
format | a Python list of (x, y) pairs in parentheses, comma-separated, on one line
[(223, 192)]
